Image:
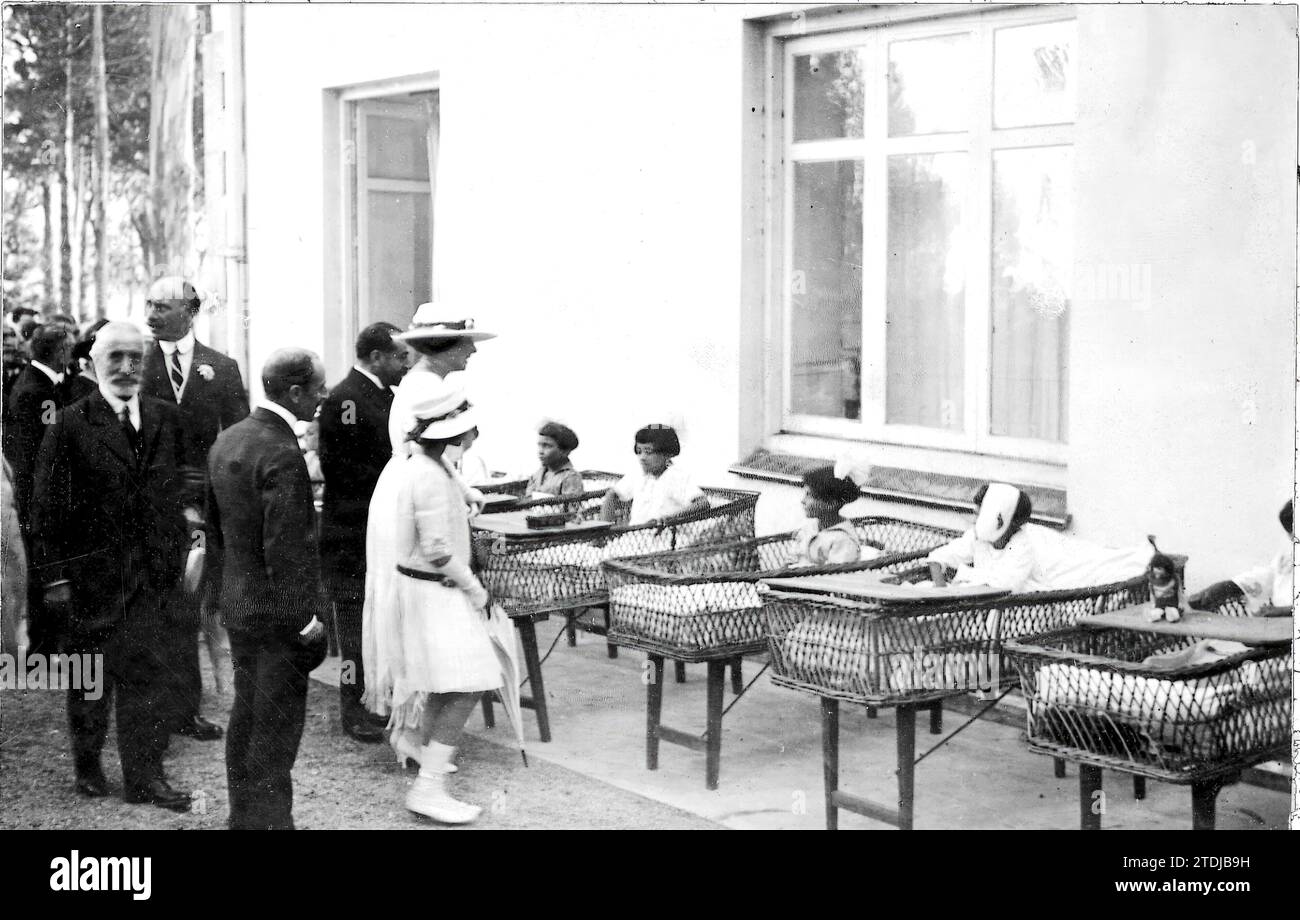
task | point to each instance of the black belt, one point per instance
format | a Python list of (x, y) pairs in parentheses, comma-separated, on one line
[(423, 575)]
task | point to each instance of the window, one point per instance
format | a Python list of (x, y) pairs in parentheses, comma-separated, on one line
[(922, 245), (393, 143)]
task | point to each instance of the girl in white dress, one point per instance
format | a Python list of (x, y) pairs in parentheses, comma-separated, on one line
[(442, 659), (827, 538)]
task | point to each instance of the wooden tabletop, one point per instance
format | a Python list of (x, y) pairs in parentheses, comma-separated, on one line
[(867, 585), (515, 524), (1202, 625)]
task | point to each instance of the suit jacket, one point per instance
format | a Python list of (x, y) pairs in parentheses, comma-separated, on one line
[(101, 517), (354, 448), (263, 561), (208, 407), (33, 405)]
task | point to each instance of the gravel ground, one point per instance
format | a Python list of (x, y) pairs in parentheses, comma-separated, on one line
[(338, 782)]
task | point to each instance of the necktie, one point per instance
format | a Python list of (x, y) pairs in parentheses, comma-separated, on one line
[(178, 378), (132, 436)]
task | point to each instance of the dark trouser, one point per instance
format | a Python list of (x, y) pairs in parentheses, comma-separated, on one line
[(183, 642), (266, 724), (348, 595), (136, 673)]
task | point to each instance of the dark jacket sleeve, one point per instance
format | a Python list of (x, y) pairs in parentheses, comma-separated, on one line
[(234, 398), (33, 413), (51, 505), (289, 542)]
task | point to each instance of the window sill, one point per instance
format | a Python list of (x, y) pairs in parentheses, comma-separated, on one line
[(906, 476)]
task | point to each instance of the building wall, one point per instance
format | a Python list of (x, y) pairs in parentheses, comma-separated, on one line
[(590, 206)]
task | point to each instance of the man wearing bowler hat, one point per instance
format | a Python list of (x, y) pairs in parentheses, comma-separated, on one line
[(209, 391)]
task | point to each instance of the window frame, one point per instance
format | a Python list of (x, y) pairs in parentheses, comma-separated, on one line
[(343, 314), (873, 31)]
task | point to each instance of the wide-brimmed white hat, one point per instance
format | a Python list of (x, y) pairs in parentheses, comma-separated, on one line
[(444, 415), (442, 321)]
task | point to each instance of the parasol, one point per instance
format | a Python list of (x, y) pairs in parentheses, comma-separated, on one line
[(506, 645)]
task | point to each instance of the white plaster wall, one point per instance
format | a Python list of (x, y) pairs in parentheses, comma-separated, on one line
[(589, 209)]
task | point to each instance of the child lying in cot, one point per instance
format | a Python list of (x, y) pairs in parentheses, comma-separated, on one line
[(557, 476), (1267, 590), (1004, 551), (827, 538), (660, 491)]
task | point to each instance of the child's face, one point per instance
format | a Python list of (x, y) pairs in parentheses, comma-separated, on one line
[(814, 507), (549, 452), (653, 463)]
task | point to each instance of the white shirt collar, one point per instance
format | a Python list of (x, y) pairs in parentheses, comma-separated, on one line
[(373, 379), (280, 411), (116, 404), (185, 344), (54, 375)]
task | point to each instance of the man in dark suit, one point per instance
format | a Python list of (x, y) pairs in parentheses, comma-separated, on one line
[(36, 398), (209, 390), (264, 565), (109, 545), (14, 364), (354, 447)]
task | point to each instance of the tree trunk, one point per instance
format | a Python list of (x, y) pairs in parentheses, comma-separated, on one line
[(47, 242), (85, 203), (171, 137), (102, 161), (68, 184)]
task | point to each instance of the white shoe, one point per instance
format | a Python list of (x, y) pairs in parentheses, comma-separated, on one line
[(407, 752), (428, 796)]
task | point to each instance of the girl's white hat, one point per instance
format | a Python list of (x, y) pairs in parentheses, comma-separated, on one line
[(440, 321), (444, 415)]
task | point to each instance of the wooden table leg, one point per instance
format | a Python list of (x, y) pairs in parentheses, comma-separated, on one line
[(831, 757), (936, 717), (737, 675), (679, 668), (713, 722), (905, 718), (489, 719), (571, 627), (1090, 803), (1058, 767), (611, 650), (528, 639), (1203, 799), (654, 705), (1139, 787)]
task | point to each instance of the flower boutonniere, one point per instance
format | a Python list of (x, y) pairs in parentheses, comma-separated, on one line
[(206, 371)]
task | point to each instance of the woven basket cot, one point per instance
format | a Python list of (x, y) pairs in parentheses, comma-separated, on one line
[(898, 653), (703, 602), (562, 570), (587, 505), (1089, 696)]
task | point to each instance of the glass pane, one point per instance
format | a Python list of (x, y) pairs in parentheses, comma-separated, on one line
[(397, 148), (826, 290), (1033, 75), (828, 95), (398, 255), (925, 291), (1033, 251), (929, 85)]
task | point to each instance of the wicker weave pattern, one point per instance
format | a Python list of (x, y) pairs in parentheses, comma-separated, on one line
[(703, 602), (899, 653), (562, 570), (1089, 694), (587, 505)]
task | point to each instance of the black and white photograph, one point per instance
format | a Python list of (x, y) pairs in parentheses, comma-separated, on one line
[(649, 416)]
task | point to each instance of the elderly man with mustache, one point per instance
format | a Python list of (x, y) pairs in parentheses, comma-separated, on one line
[(109, 541)]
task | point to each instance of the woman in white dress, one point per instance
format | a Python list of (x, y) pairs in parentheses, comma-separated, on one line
[(444, 342), (442, 658)]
